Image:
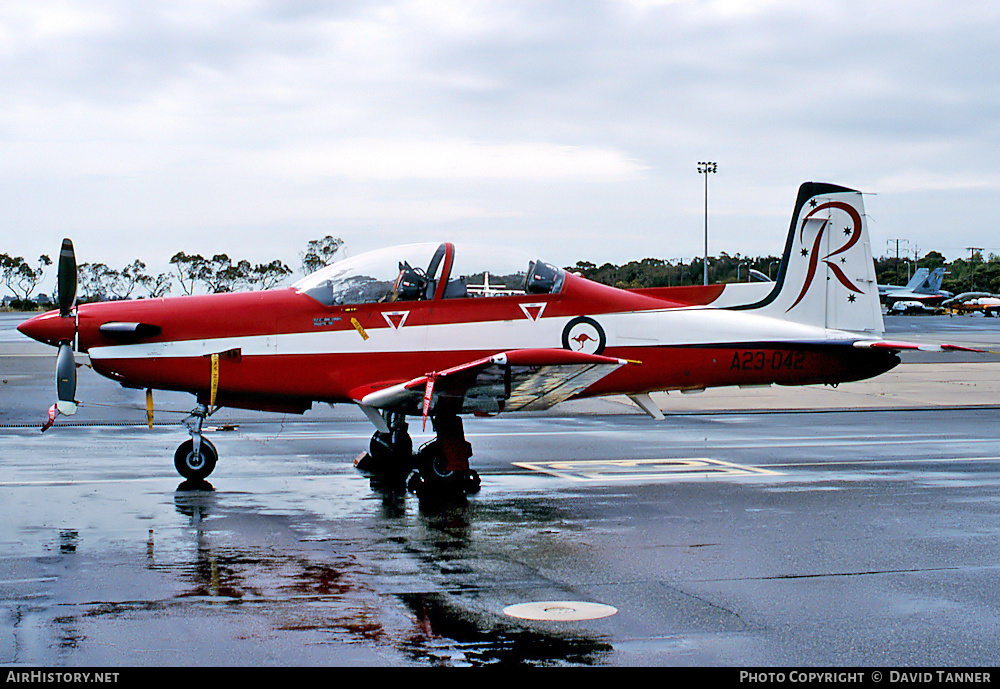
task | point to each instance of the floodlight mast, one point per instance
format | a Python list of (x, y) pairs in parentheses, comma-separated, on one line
[(705, 168)]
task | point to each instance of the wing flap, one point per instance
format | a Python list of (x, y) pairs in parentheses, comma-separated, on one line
[(517, 380), (538, 389)]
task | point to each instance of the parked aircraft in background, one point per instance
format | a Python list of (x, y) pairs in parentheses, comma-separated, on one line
[(926, 291), (971, 302), (399, 333), (912, 307), (919, 277)]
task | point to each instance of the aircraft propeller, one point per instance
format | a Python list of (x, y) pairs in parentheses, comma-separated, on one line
[(67, 278), (65, 360)]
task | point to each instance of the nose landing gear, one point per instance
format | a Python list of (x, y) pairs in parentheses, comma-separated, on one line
[(195, 459)]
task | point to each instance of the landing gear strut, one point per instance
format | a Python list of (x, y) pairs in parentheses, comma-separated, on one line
[(390, 455), (195, 459), (394, 445), (441, 465)]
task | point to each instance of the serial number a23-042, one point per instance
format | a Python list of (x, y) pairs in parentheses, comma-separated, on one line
[(759, 360)]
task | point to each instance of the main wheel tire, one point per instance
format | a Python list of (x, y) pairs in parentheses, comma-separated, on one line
[(472, 482), (415, 483), (195, 467), (432, 463), (396, 444), (379, 447)]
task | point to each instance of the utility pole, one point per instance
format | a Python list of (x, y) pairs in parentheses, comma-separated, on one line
[(705, 168), (769, 268), (905, 241), (972, 265), (916, 257)]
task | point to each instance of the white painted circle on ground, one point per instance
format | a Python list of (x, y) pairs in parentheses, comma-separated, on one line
[(559, 611)]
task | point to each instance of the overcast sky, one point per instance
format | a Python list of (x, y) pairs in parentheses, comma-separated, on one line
[(571, 128)]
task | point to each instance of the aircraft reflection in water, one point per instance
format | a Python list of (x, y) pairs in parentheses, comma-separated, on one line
[(405, 332), (331, 590)]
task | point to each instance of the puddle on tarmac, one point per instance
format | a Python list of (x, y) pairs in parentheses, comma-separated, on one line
[(347, 589), (449, 635), (399, 576)]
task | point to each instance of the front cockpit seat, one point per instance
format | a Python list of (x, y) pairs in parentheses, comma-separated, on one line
[(411, 284), (432, 269)]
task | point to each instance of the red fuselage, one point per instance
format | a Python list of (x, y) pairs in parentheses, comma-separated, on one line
[(282, 350)]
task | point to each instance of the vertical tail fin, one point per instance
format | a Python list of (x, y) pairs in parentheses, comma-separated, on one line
[(933, 282), (919, 279), (827, 273)]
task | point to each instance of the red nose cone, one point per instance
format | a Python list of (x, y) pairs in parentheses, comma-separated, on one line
[(50, 328)]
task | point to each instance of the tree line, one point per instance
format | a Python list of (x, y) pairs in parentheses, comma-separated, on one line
[(658, 272), (972, 274), (194, 273), (190, 274)]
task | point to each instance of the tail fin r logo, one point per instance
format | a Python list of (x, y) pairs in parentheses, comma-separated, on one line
[(853, 236)]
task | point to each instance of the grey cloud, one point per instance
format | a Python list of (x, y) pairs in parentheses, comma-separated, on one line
[(186, 121)]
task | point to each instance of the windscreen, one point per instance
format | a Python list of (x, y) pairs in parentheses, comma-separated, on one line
[(368, 278)]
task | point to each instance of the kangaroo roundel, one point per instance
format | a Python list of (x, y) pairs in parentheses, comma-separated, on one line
[(584, 334)]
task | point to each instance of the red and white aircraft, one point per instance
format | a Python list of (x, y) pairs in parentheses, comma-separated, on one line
[(435, 331)]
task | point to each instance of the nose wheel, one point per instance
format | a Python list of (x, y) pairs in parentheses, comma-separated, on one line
[(195, 465), (196, 458)]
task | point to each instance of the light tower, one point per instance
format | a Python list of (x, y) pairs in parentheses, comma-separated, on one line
[(704, 168)]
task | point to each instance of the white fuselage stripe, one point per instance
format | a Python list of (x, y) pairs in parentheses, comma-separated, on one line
[(674, 327)]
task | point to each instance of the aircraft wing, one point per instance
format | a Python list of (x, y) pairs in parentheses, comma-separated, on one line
[(516, 380), (915, 296)]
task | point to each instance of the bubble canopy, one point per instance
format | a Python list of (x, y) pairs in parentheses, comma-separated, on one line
[(416, 272)]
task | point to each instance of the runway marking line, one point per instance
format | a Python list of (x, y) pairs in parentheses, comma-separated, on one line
[(891, 461), (663, 469)]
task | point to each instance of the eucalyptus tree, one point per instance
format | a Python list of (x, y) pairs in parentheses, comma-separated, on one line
[(19, 277)]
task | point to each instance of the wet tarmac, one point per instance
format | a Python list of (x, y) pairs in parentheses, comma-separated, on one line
[(743, 536)]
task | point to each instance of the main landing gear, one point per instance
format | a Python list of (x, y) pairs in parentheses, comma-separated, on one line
[(440, 466), (195, 459)]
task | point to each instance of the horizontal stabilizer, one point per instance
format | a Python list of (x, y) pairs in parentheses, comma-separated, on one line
[(903, 346)]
